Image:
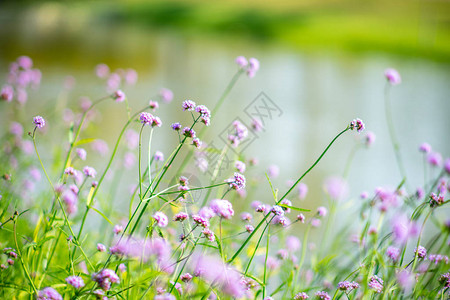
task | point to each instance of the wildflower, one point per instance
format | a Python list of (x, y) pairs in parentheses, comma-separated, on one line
[(102, 70), (153, 104), (358, 124), (188, 132), (405, 279), (277, 210), (262, 208), (249, 228), (240, 166), (146, 118), (315, 222), (292, 243), (166, 94), (39, 121), (48, 293), (156, 122), (393, 253), (81, 153), (122, 268), (347, 286), (209, 234), (161, 219), (281, 220), (75, 281), (165, 296), (89, 172), (421, 252), (105, 278), (301, 296), (286, 202), (376, 283), (403, 229), (118, 229), (253, 67), (282, 254), (447, 165), (370, 138), (336, 187), (237, 182), (322, 211), (322, 295), (200, 221), (180, 217), (186, 277), (420, 193), (101, 247), (188, 105), (241, 61), (436, 200), (425, 148), (7, 93), (222, 208), (257, 126), (159, 156), (273, 171), (119, 96), (176, 126), (437, 258), (239, 134), (100, 146), (10, 261), (245, 216), (197, 143), (132, 138), (302, 190), (445, 278), (301, 218), (434, 159), (203, 111), (131, 76), (392, 76)]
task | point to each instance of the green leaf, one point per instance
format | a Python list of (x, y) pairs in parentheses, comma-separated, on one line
[(274, 192), (84, 141), (293, 207), (101, 214)]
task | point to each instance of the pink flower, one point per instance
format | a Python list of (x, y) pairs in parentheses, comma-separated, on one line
[(241, 61), (166, 94), (425, 148), (119, 96), (392, 76), (302, 190), (75, 281), (118, 229), (403, 229), (434, 159), (336, 187), (7, 93), (39, 121), (161, 219), (222, 208)]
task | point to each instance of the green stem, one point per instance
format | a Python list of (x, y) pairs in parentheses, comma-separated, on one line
[(265, 261), (418, 240), (256, 248)]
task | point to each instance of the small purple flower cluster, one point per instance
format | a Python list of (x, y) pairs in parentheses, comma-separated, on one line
[(49, 293), (322, 295), (376, 283), (348, 286), (75, 281), (237, 182), (240, 133), (251, 66), (39, 121), (161, 219), (421, 252), (357, 124), (301, 296), (105, 278), (222, 208), (148, 119), (436, 200)]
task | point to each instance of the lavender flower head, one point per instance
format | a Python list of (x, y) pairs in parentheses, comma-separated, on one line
[(222, 208), (159, 156), (146, 118), (336, 187), (302, 190), (301, 296), (241, 61), (293, 243), (425, 148), (153, 105), (434, 159), (119, 96), (7, 93), (392, 76), (237, 182), (357, 124), (188, 132), (393, 253), (105, 278), (370, 138), (376, 283), (81, 153), (240, 166), (347, 286), (75, 281), (421, 252), (322, 295), (188, 105), (49, 293), (101, 247), (277, 210), (39, 121), (166, 94), (176, 126), (322, 211), (89, 172), (253, 67), (161, 219)]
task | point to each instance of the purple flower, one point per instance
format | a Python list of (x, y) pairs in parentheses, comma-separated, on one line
[(89, 172), (302, 190), (406, 280), (425, 148), (347, 286), (322, 295), (245, 216), (209, 234), (376, 283), (101, 247), (322, 211), (186, 277), (176, 126), (7, 93), (336, 187), (301, 296), (156, 122), (241, 61), (237, 182), (292, 243), (403, 229), (253, 67), (437, 258), (159, 156), (75, 281), (301, 218), (434, 159), (153, 105), (200, 221), (181, 216), (392, 76), (257, 126), (273, 171), (161, 219), (436, 200), (166, 94), (277, 210), (131, 76), (249, 228), (315, 222), (240, 133), (188, 132), (105, 278), (421, 252), (100, 146), (102, 70), (286, 202), (49, 293), (420, 193), (119, 96), (222, 208), (357, 124), (447, 165), (81, 153), (370, 138), (197, 143), (146, 118), (117, 229), (188, 105), (39, 121), (393, 253), (240, 166)]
